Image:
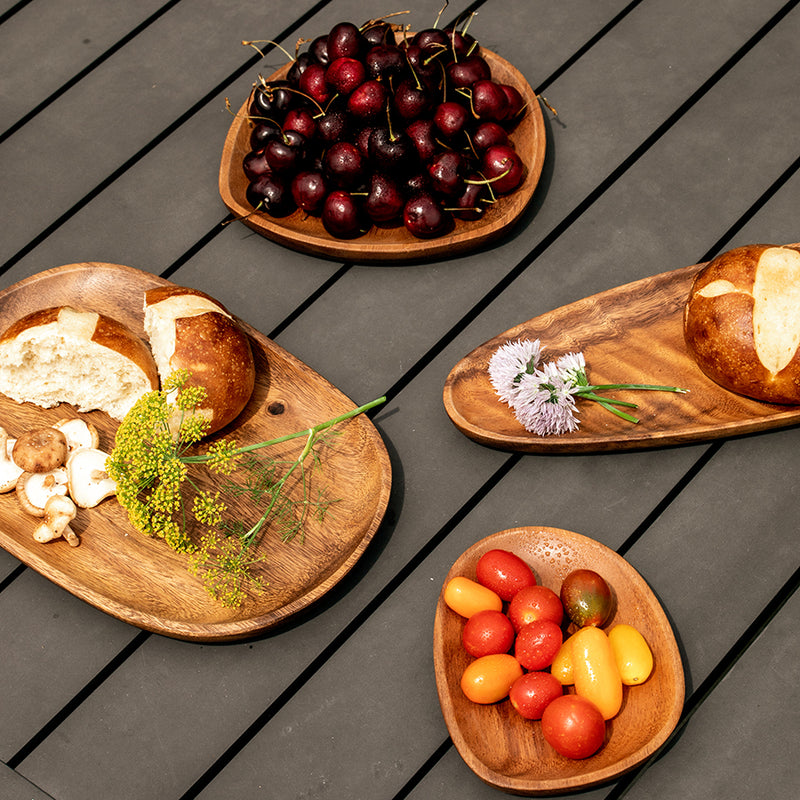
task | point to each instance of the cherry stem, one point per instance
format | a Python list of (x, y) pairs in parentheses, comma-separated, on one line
[(254, 42)]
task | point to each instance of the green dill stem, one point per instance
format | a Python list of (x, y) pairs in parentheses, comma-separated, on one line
[(322, 426)]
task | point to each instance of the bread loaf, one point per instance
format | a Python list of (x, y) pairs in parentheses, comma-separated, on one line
[(190, 330), (742, 322), (62, 355)]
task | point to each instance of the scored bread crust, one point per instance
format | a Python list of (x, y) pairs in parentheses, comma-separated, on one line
[(190, 330), (742, 322), (124, 368)]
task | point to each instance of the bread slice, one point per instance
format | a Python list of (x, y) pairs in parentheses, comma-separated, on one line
[(189, 330), (62, 355)]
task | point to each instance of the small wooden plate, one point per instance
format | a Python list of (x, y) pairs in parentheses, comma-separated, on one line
[(629, 334), (307, 234), (141, 580), (509, 752)]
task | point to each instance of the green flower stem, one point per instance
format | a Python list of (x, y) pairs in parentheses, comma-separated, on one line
[(605, 387), (605, 400), (616, 411), (322, 426)]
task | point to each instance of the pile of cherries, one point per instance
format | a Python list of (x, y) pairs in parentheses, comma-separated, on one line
[(369, 128)]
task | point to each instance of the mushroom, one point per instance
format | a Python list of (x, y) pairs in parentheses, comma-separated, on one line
[(34, 489), (9, 471), (88, 481), (40, 450), (78, 432), (59, 511)]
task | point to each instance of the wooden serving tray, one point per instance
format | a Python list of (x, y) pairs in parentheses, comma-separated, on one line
[(305, 233), (141, 580), (629, 334), (509, 752)]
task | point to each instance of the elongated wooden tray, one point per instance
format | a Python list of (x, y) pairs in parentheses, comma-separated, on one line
[(305, 233), (630, 334), (509, 752), (141, 580)]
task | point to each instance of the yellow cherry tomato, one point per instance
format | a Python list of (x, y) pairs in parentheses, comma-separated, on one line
[(633, 654), (488, 679), (467, 597), (595, 670), (561, 668)]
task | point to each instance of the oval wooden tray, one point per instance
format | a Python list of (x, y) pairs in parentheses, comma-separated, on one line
[(141, 580), (630, 334), (307, 234), (509, 752)]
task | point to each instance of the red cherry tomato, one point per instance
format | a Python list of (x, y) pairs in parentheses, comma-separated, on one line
[(537, 644), (504, 573), (487, 632), (535, 602), (573, 726), (533, 692)]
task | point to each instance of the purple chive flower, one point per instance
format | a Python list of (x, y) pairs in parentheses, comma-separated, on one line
[(545, 403), (509, 363)]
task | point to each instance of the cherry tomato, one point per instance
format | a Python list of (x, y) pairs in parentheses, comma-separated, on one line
[(587, 598), (467, 597), (535, 602), (533, 692), (504, 573), (595, 670), (633, 654), (573, 726), (537, 644), (561, 668), (488, 679), (487, 632)]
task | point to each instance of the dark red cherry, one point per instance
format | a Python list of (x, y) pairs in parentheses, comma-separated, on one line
[(466, 72), (488, 134), (432, 40), (385, 62), (417, 183), (263, 132), (424, 69), (309, 190), (446, 173), (255, 165), (272, 101), (299, 67), (385, 201), (472, 202), (425, 218), (503, 167), (318, 50), (341, 216), (286, 155), (312, 82), (344, 39), (332, 126), (368, 101), (422, 134), (345, 74), (302, 121), (515, 101), (489, 100), (391, 152), (450, 118), (377, 33), (460, 43), (343, 165), (271, 194), (410, 100)]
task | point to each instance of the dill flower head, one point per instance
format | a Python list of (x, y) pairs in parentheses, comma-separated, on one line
[(509, 363)]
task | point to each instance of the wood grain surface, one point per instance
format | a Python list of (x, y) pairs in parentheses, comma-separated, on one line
[(141, 580), (306, 233), (630, 334), (509, 752)]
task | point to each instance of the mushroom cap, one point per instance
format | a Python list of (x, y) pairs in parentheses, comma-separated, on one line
[(88, 480), (34, 489), (78, 432), (40, 450), (9, 471)]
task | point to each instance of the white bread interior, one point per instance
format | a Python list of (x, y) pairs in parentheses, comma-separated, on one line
[(58, 362)]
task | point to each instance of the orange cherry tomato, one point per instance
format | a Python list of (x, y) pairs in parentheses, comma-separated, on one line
[(561, 668), (595, 670), (467, 597), (633, 654), (489, 679)]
